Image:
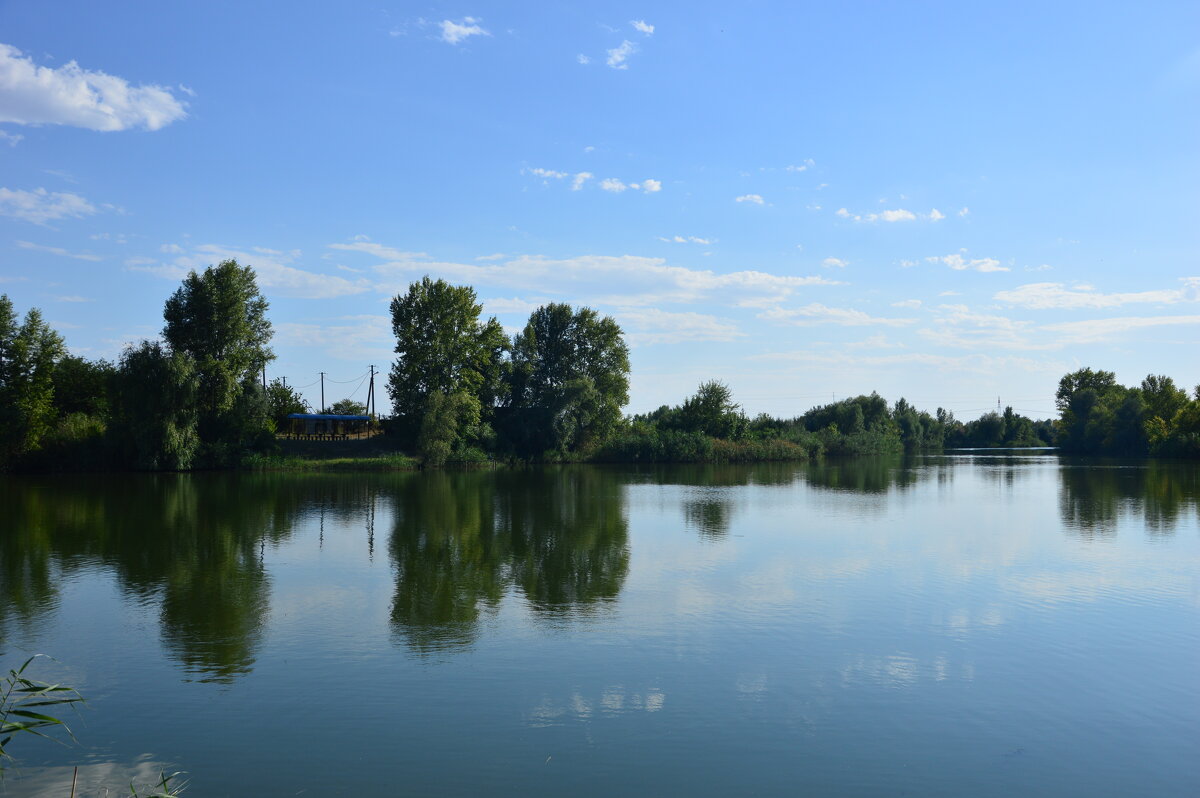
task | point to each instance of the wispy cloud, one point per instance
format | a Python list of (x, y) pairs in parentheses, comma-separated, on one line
[(276, 275), (11, 139), (644, 326), (685, 240), (618, 56), (643, 26), (455, 32), (58, 251), (1056, 296), (816, 313), (755, 199), (70, 95), (959, 263), (640, 281), (892, 215), (835, 263), (41, 206)]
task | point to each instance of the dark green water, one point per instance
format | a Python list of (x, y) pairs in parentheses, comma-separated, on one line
[(983, 625)]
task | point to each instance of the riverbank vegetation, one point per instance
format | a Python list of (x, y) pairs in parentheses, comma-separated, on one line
[(462, 391)]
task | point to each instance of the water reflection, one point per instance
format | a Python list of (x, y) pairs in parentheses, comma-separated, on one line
[(864, 474), (1095, 494), (462, 540), (191, 545)]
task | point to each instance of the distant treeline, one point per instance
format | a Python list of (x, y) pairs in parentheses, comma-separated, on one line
[(463, 391)]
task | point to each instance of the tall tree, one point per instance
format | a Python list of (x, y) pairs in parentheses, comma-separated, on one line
[(570, 377), (154, 408), (442, 346), (28, 354), (218, 318)]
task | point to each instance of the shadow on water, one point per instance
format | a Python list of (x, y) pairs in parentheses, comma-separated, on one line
[(463, 540)]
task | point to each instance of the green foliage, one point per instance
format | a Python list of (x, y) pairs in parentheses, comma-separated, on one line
[(23, 705), (569, 380), (283, 400), (28, 354), (154, 408), (446, 418), (82, 386), (347, 407), (218, 318), (442, 346)]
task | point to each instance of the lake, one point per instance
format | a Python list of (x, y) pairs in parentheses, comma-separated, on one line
[(983, 624)]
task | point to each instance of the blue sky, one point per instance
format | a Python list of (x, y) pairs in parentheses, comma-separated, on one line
[(949, 202)]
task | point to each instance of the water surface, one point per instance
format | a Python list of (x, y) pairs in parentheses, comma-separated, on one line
[(972, 624)]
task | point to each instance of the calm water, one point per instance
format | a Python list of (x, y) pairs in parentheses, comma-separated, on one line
[(949, 626)]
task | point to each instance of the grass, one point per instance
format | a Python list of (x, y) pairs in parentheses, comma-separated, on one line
[(382, 462), (23, 702)]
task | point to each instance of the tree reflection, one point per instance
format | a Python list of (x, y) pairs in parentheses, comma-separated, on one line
[(1094, 493), (463, 539), (863, 474), (191, 544)]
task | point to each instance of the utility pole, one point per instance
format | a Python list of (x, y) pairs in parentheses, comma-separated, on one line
[(371, 393), (264, 376), (322, 392)]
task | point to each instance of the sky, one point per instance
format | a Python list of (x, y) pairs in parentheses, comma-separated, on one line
[(955, 203)]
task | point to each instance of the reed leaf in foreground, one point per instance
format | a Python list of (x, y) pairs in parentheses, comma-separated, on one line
[(22, 701)]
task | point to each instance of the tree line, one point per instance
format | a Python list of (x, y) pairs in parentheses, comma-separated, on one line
[(462, 390)]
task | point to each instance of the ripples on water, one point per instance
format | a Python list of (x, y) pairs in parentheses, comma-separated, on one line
[(974, 624)]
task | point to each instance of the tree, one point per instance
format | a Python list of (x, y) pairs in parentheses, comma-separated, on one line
[(82, 386), (28, 354), (283, 401), (219, 318), (1163, 399), (154, 408), (348, 407), (442, 346), (1082, 380), (711, 411), (569, 378)]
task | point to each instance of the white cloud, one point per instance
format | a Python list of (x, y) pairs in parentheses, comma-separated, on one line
[(618, 55), (73, 298), (754, 198), (643, 26), (642, 281), (171, 249), (455, 32), (12, 138), (957, 262), (959, 327), (686, 240), (579, 179), (1046, 296), (1097, 330), (378, 250), (275, 275), (548, 173), (70, 95), (834, 263), (646, 326), (651, 186), (40, 206), (347, 338), (58, 251), (613, 185), (808, 162), (964, 212), (816, 313), (907, 303), (891, 215), (975, 363), (583, 59)]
